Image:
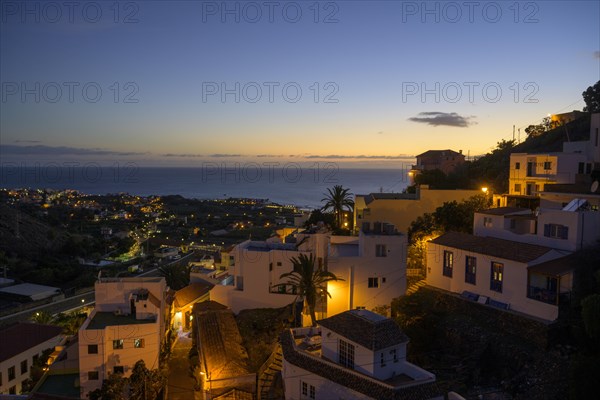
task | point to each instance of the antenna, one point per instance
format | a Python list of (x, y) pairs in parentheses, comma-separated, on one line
[(513, 133), (519, 141)]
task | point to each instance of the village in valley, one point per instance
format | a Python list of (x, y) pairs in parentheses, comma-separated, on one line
[(480, 280)]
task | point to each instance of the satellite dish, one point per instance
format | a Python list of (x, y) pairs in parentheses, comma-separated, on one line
[(594, 187)]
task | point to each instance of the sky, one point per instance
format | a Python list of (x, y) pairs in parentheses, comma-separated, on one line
[(360, 83)]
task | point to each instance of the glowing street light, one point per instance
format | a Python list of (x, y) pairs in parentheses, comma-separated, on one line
[(484, 189)]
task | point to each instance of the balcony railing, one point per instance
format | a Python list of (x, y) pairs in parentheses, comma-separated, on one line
[(548, 296)]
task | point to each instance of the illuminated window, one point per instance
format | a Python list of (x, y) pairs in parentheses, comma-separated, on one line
[(138, 343), (117, 344), (497, 277)]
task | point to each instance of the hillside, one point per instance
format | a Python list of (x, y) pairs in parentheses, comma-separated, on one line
[(492, 169)]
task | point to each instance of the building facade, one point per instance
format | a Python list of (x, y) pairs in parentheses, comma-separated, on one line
[(127, 325), (353, 355)]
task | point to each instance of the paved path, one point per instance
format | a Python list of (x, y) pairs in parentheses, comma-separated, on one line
[(181, 384)]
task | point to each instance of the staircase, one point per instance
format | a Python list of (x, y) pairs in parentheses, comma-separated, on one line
[(415, 287), (269, 374)]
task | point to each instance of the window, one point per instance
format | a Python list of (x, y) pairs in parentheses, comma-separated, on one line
[(118, 370), (394, 354), (270, 266), (308, 390), (517, 165), (487, 222), (518, 188), (312, 392), (373, 282), (12, 390), (279, 263), (496, 277), (11, 373), (581, 168), (470, 269), (33, 359), (382, 360), (547, 165), (24, 368), (93, 349), (117, 344), (556, 231), (346, 354), (138, 343), (448, 263), (380, 250), (304, 389), (93, 375)]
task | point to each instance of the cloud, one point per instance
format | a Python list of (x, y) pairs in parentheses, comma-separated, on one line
[(360, 157), (437, 118), (597, 54), (28, 141), (62, 150)]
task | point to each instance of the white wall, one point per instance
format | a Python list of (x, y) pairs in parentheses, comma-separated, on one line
[(514, 287), (107, 357), (16, 362)]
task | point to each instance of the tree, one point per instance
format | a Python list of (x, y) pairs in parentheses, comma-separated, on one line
[(590, 311), (43, 317), (338, 199), (113, 388), (309, 282), (70, 322), (591, 96), (145, 384), (535, 130)]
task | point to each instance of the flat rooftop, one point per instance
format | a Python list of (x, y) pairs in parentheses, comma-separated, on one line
[(30, 289), (103, 319), (62, 385)]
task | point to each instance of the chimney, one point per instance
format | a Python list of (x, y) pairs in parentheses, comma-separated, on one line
[(460, 151)]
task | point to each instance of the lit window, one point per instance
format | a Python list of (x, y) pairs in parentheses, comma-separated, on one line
[(497, 276), (117, 344), (448, 263), (138, 343)]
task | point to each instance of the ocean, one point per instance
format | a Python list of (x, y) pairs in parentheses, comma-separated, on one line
[(291, 184)]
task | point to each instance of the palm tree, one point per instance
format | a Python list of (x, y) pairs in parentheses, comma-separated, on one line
[(338, 199), (309, 282)]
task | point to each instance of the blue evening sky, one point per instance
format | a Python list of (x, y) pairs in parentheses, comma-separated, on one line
[(362, 67)]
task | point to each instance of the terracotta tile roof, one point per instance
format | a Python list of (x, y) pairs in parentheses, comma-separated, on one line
[(209, 305), (191, 293), (365, 385), (556, 267), (220, 343), (366, 328), (491, 246), (18, 338)]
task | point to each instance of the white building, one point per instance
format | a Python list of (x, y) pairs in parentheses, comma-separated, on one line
[(127, 325), (531, 173), (372, 266), (20, 346), (571, 228), (526, 278), (353, 355)]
